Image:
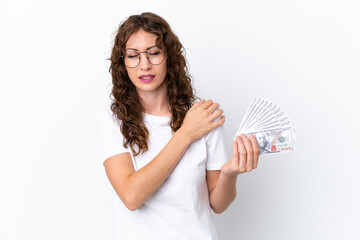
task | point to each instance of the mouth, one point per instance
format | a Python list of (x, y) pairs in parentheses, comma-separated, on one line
[(147, 78)]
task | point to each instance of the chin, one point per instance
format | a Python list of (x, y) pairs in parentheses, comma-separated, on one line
[(148, 88)]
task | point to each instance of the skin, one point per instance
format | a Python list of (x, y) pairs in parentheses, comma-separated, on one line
[(153, 95), (134, 187)]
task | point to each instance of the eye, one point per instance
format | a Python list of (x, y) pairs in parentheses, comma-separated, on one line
[(154, 53), (132, 55)]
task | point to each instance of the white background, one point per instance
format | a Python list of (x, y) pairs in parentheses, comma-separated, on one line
[(302, 55)]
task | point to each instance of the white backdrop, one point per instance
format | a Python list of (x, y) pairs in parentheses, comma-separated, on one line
[(302, 55)]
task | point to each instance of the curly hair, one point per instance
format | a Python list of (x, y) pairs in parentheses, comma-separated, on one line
[(126, 104)]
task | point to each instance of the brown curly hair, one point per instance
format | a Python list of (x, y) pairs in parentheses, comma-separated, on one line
[(126, 104)]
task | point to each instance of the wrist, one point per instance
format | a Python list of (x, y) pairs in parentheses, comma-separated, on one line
[(183, 135), (228, 177)]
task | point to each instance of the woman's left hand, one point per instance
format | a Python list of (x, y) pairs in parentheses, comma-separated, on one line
[(245, 156)]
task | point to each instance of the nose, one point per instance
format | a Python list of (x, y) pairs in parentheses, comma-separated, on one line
[(144, 62)]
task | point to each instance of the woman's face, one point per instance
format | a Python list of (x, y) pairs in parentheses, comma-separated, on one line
[(145, 76)]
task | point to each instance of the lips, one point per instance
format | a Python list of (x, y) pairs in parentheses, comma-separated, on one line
[(147, 78)]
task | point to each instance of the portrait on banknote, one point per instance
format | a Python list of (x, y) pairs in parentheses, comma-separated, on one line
[(262, 141)]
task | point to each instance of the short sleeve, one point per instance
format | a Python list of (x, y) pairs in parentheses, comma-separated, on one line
[(109, 135), (216, 151)]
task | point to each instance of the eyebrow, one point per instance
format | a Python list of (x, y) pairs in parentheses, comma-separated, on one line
[(138, 49)]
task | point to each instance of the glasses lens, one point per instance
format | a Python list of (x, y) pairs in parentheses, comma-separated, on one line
[(131, 59), (156, 56)]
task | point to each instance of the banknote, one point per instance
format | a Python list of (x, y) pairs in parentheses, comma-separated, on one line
[(268, 122), (275, 141)]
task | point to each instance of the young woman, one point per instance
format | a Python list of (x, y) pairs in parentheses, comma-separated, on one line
[(164, 154)]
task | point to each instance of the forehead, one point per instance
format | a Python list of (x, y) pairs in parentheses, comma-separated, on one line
[(141, 40)]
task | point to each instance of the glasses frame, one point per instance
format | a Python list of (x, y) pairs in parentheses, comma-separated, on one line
[(147, 57)]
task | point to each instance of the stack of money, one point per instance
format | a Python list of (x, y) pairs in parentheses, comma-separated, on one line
[(270, 125)]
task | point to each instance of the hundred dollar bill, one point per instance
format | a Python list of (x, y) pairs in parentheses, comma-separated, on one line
[(275, 141)]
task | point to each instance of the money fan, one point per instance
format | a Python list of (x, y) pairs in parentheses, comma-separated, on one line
[(270, 125)]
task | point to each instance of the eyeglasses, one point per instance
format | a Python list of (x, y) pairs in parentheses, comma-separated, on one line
[(154, 55)]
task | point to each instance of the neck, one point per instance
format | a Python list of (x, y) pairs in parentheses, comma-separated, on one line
[(155, 103)]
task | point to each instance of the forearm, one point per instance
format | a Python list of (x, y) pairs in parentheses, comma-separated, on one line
[(223, 194), (148, 179)]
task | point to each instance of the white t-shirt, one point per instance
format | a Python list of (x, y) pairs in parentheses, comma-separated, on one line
[(179, 209)]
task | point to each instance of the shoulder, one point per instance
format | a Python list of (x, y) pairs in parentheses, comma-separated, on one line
[(106, 115), (215, 133)]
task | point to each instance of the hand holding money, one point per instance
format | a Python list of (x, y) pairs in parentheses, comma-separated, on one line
[(245, 156), (270, 125)]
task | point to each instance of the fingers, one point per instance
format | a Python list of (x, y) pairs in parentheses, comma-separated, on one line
[(235, 150), (249, 153), (195, 105), (216, 114), (243, 155), (207, 104), (212, 108), (213, 111), (255, 147), (218, 123)]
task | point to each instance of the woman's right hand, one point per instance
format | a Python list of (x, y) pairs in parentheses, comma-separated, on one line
[(200, 119)]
